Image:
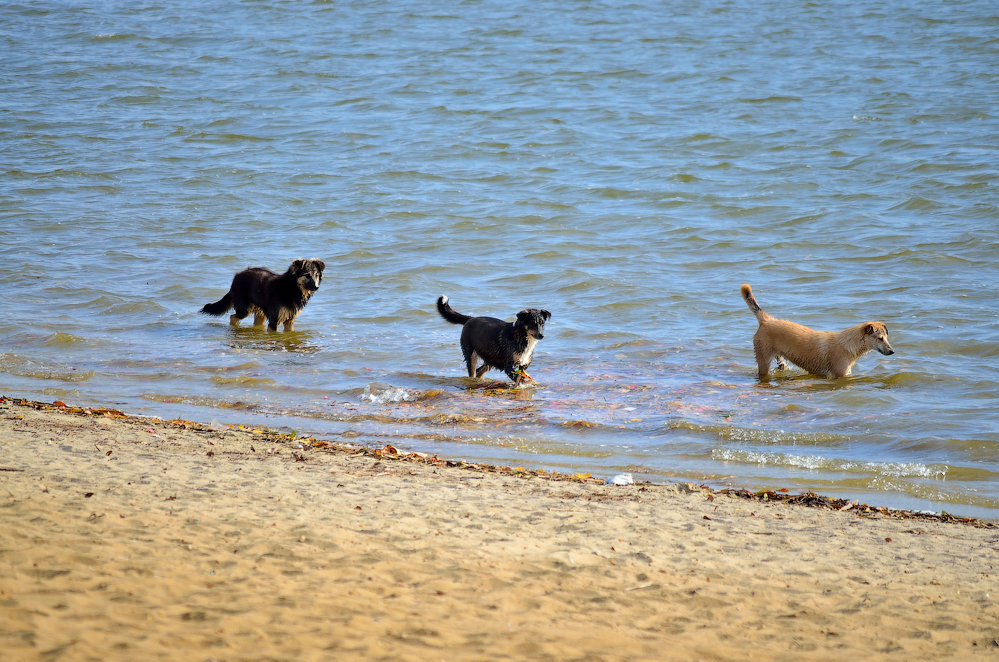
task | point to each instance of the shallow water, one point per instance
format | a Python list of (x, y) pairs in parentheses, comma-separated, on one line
[(625, 167)]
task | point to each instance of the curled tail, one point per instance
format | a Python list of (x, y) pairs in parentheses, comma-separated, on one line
[(449, 313), (218, 308), (747, 294)]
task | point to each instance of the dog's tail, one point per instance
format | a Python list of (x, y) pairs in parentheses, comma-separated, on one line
[(449, 313), (218, 308), (747, 294)]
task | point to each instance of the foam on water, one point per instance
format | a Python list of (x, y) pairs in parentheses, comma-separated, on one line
[(832, 464), (380, 394)]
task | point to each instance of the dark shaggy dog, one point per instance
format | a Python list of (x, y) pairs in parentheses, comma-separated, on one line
[(507, 346), (277, 297)]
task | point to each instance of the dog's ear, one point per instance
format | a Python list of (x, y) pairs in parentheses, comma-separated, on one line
[(319, 264), (523, 317), (546, 315), (870, 329), (297, 267)]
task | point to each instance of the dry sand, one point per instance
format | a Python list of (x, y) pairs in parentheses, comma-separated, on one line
[(134, 539)]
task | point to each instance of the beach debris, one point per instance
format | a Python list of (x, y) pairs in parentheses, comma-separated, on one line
[(389, 452), (814, 500), (621, 479)]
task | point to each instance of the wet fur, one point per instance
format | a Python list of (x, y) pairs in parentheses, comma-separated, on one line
[(507, 346), (825, 353), (278, 298)]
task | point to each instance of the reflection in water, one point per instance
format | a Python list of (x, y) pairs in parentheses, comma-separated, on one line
[(258, 338)]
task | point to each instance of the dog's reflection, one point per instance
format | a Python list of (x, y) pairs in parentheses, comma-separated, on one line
[(258, 339)]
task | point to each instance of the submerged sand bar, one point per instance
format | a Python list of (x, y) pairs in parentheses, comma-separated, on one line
[(133, 538)]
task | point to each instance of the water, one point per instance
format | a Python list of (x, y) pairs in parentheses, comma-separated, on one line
[(625, 166)]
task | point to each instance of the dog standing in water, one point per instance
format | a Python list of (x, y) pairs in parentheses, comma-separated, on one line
[(823, 353), (507, 346), (277, 297)]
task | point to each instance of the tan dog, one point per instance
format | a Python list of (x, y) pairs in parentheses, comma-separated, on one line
[(819, 352)]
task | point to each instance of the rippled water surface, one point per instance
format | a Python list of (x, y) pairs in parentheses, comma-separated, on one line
[(625, 166)]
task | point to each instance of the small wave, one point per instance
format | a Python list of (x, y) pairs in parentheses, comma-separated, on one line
[(916, 203), (20, 367), (113, 36), (243, 381), (61, 339), (818, 463), (772, 99), (202, 401), (381, 394), (761, 436), (130, 307)]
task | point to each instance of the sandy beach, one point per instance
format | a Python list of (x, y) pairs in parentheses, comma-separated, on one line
[(128, 538)]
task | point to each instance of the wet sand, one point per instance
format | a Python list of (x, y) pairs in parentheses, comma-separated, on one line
[(128, 538)]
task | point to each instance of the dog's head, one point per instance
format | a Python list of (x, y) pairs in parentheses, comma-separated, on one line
[(532, 321), (876, 335), (308, 273)]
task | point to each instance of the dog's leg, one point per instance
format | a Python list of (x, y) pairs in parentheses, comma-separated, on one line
[(258, 318), (289, 324), (273, 319), (471, 358), (470, 361), (781, 363), (481, 370), (237, 315), (763, 357)]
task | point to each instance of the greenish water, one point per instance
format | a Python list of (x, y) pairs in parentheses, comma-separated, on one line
[(624, 166)]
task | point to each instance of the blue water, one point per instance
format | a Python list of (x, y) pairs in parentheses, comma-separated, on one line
[(625, 166)]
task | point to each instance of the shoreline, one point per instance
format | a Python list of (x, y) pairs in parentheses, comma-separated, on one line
[(132, 537)]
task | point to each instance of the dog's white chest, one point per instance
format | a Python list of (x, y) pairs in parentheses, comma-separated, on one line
[(524, 358)]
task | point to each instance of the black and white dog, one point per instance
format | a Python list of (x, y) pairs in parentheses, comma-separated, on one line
[(507, 346)]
